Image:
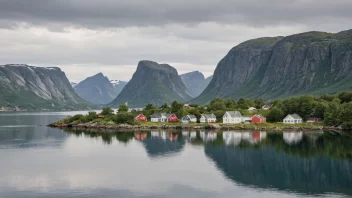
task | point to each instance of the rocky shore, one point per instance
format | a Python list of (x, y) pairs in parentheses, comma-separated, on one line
[(126, 127)]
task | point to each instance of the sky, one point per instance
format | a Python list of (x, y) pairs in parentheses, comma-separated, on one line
[(85, 37)]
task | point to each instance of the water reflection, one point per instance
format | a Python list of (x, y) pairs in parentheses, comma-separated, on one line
[(305, 163)]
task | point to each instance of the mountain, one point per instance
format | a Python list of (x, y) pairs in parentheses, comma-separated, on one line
[(118, 85), (309, 63), (98, 89), (194, 82), (33, 87), (152, 83), (73, 84)]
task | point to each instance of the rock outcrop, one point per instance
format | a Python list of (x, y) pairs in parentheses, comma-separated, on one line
[(152, 83), (309, 63), (33, 87)]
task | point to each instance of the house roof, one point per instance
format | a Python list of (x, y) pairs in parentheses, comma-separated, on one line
[(234, 114), (157, 115), (169, 114), (189, 116), (294, 116), (260, 116), (192, 116), (209, 116)]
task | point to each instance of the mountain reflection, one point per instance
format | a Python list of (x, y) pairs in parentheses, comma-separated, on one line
[(302, 162), (163, 144)]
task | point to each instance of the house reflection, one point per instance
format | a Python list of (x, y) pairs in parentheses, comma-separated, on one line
[(208, 136), (163, 144), (292, 138), (140, 136), (235, 138)]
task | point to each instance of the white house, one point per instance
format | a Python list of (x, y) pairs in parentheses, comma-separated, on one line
[(251, 109), (266, 107), (207, 118), (292, 119), (158, 117), (232, 117), (189, 118)]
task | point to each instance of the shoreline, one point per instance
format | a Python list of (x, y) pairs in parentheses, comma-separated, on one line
[(124, 127)]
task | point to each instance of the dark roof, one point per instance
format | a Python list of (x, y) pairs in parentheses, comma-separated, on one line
[(192, 116), (294, 116), (209, 116), (234, 114), (156, 115)]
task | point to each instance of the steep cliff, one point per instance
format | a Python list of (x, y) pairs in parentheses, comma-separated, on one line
[(37, 88), (98, 89), (194, 82), (152, 83), (309, 63)]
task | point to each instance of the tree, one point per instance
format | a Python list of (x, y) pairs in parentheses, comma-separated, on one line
[(123, 117), (275, 115), (259, 103), (243, 103), (164, 106), (175, 106), (217, 104), (123, 108), (150, 107), (107, 111)]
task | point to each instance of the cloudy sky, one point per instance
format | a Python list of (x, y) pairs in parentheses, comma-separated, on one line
[(84, 37)]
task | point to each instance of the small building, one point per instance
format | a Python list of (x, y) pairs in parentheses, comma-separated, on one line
[(170, 117), (158, 117), (292, 119), (232, 117), (266, 107), (189, 118), (252, 108), (187, 106), (100, 116), (141, 117), (246, 119), (207, 118), (258, 119), (313, 120)]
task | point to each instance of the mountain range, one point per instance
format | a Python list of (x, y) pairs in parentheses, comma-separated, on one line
[(33, 87), (313, 63), (195, 82), (98, 89), (153, 83)]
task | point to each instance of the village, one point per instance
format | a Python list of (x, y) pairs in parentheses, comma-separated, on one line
[(230, 117)]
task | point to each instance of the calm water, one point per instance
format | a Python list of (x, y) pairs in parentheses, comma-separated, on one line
[(37, 161)]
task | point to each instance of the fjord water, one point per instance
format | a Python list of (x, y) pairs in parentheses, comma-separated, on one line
[(37, 161)]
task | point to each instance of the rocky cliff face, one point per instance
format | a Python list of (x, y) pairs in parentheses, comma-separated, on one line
[(37, 88), (98, 89), (152, 83), (308, 63), (194, 82)]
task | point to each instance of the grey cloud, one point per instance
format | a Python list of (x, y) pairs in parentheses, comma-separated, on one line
[(121, 13)]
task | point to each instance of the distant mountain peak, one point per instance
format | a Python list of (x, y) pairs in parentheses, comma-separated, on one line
[(98, 89), (195, 82), (153, 83)]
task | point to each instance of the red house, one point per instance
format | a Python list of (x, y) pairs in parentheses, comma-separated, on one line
[(312, 120), (141, 117), (171, 117), (258, 119)]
